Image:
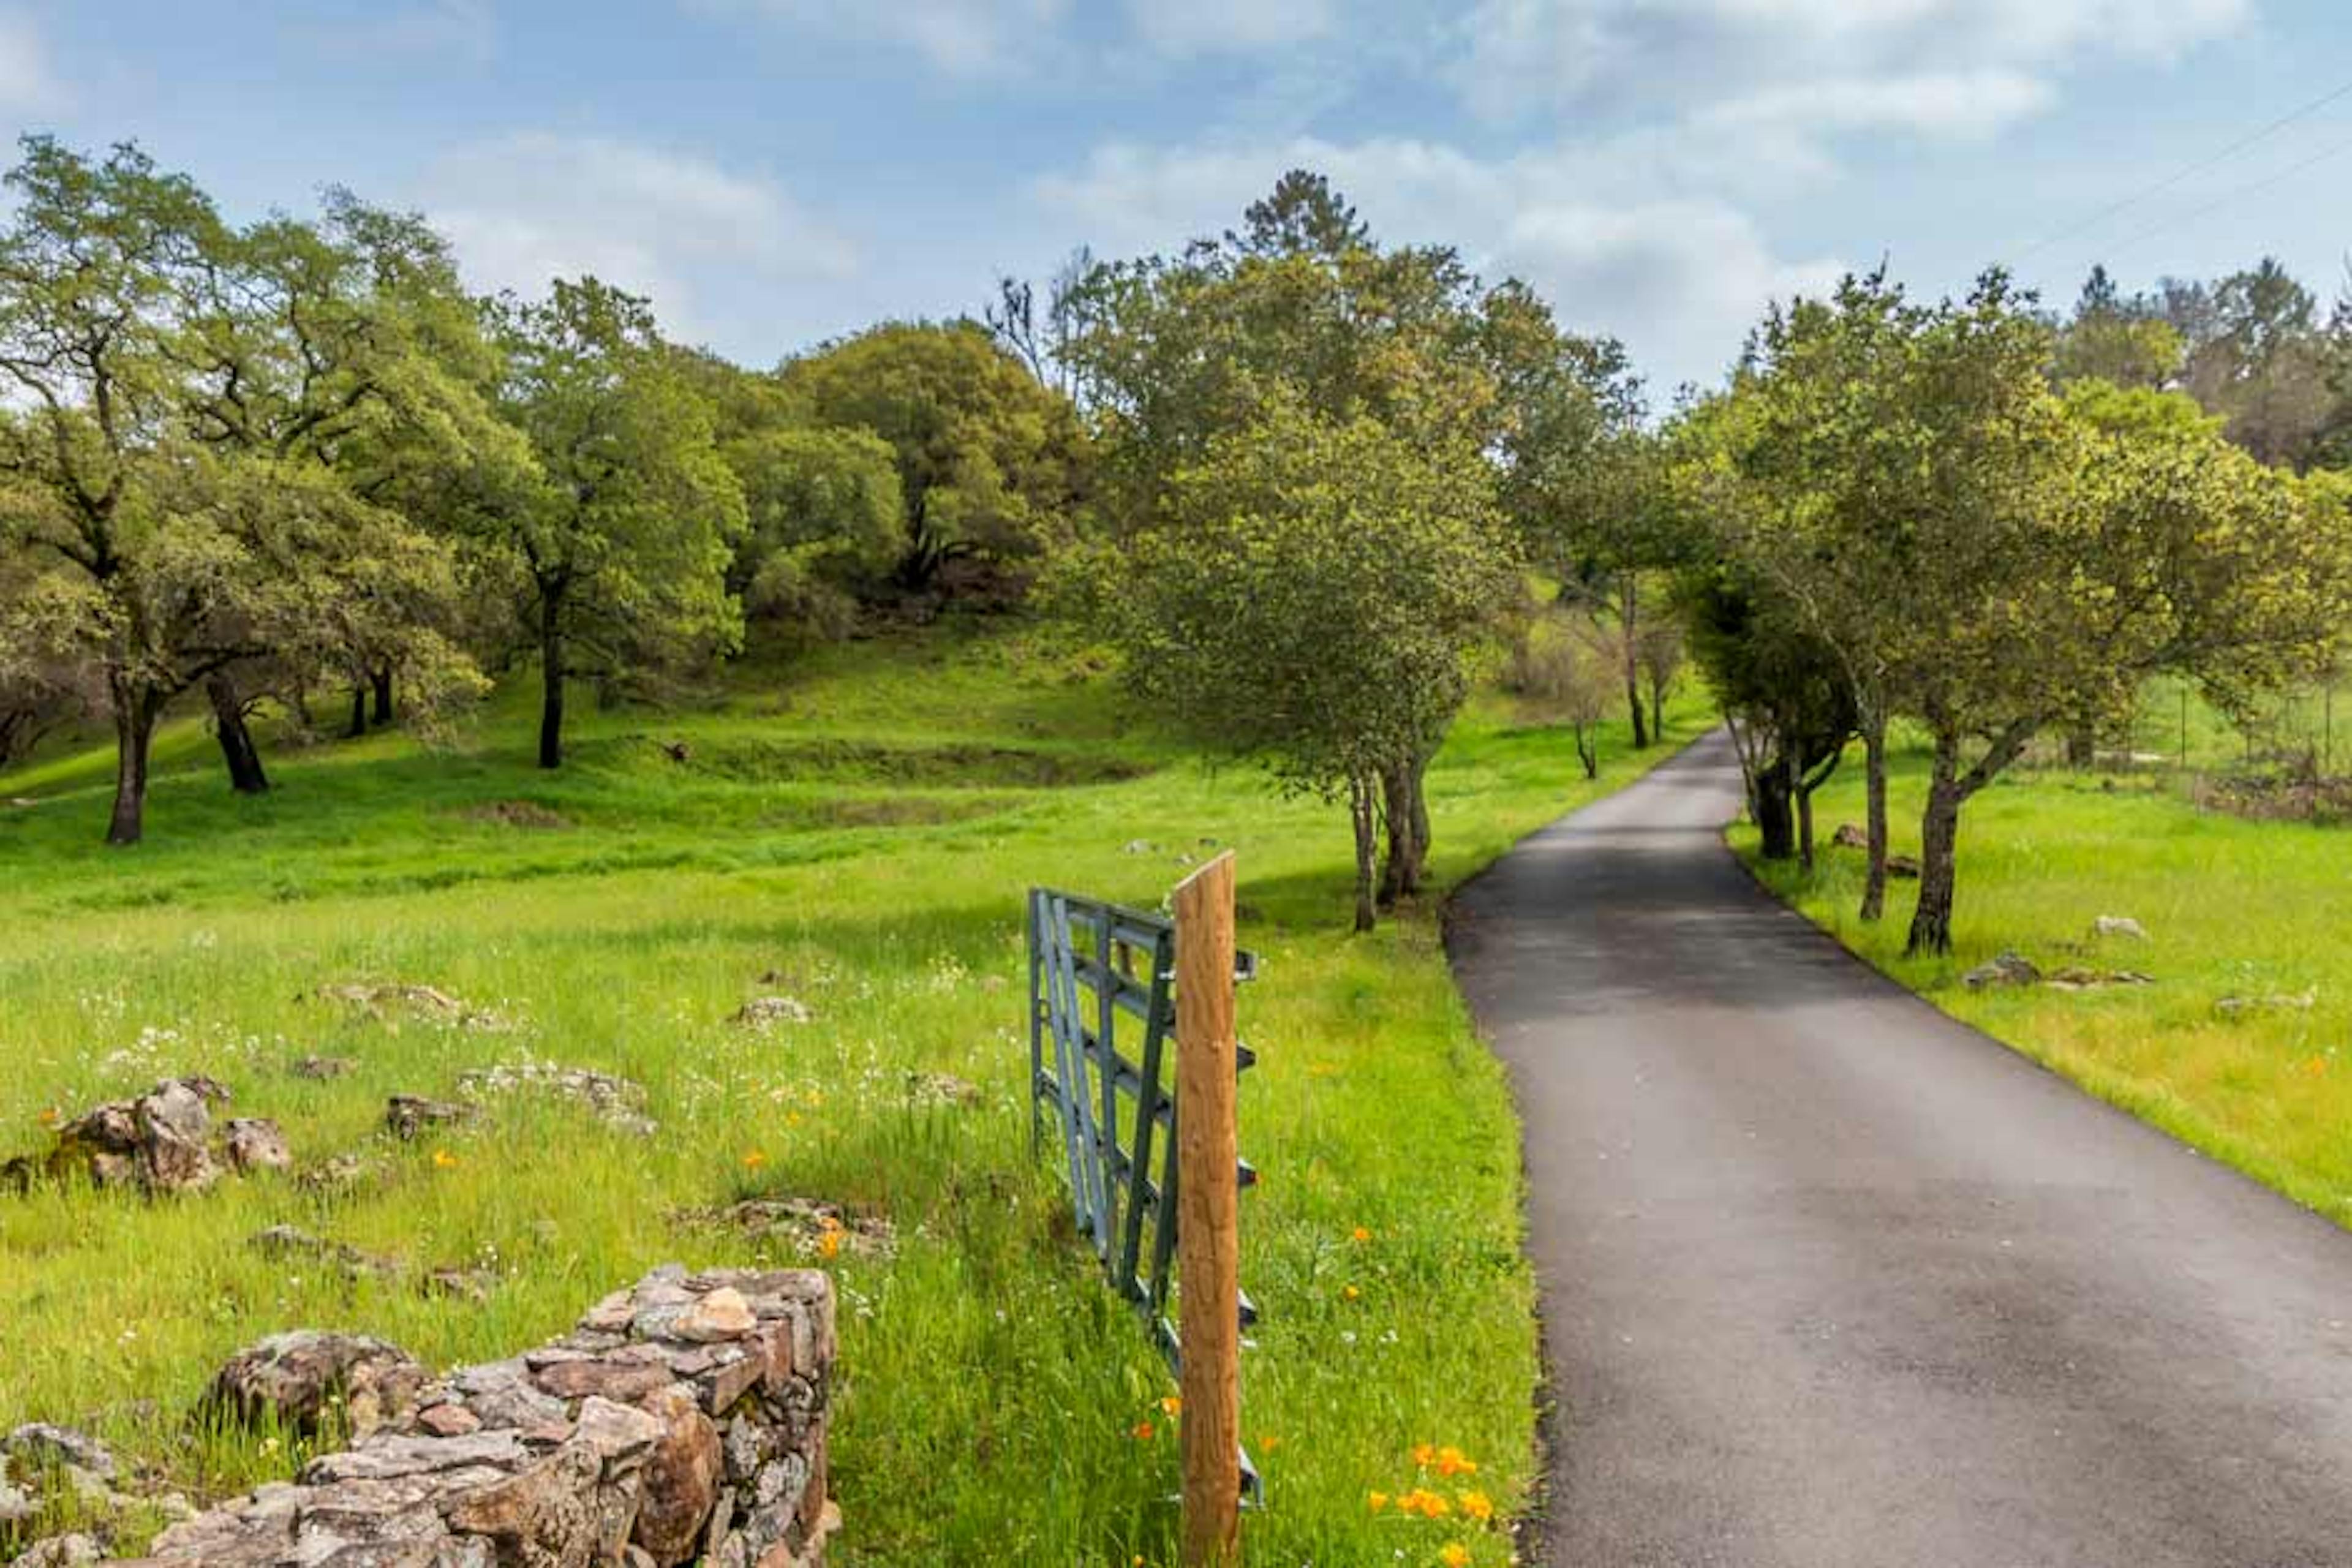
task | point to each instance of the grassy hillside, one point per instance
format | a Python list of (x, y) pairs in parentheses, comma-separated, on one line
[(2238, 1047), (860, 828)]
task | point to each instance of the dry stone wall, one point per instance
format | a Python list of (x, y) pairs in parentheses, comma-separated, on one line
[(683, 1421)]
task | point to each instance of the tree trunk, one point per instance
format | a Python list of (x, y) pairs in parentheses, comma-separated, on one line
[(358, 726), (1587, 752), (1362, 809), (1811, 777), (1771, 806), (245, 775), (135, 710), (1421, 836), (550, 665), (1874, 881), (1940, 832), (381, 681), (1657, 710), (1629, 612), (1398, 876), (2082, 747)]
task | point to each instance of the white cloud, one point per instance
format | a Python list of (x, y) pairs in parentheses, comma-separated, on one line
[(960, 37), (1957, 104), (526, 208), (28, 82), (1680, 277), (1517, 54), (1210, 26)]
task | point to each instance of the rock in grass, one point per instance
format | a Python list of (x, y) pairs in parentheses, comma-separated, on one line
[(293, 1242), (160, 1141), (2008, 969), (71, 1551), (299, 1376), (2118, 926), (41, 1446), (175, 1131), (406, 1115), (617, 1101), (1849, 837), (823, 1228), (459, 1283), (257, 1144), (1903, 867), (942, 1089), (388, 1003), (340, 1173), (766, 1012), (2074, 978), (321, 1068), (2231, 1006)]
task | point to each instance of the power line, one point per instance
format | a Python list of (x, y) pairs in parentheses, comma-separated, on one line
[(2178, 175), (2334, 150)]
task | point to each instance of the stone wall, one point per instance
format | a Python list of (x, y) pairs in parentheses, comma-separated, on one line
[(683, 1421)]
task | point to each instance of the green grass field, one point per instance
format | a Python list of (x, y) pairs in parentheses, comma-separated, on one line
[(862, 826), (2235, 909)]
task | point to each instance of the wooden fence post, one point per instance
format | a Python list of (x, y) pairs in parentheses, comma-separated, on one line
[(1208, 1224)]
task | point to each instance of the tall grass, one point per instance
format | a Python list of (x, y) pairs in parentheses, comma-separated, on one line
[(861, 828)]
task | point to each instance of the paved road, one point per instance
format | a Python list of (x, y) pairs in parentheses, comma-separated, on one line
[(1833, 1283)]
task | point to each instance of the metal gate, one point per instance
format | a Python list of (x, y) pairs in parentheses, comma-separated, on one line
[(1101, 975)]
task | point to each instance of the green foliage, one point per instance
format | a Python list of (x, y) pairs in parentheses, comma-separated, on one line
[(1171, 353), (222, 435), (620, 544), (1993, 559), (1314, 602), (992, 463), (825, 512)]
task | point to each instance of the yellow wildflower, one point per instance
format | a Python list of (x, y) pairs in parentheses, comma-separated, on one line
[(1477, 1505), (444, 1161), (1423, 1455), (1450, 1462), (1454, 1555), (1376, 1502), (1360, 1235), (753, 1159), (1142, 1431), (1172, 1407), (1350, 1294)]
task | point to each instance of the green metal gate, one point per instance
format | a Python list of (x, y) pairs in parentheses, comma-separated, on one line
[(1091, 965)]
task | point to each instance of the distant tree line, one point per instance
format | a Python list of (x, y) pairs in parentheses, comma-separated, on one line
[(1309, 484)]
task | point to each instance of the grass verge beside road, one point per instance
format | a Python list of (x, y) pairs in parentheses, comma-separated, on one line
[(2239, 1048)]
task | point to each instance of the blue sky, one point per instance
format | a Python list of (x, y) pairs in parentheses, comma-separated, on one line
[(773, 171)]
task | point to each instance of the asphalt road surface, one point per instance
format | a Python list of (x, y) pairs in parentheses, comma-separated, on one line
[(1831, 1281)]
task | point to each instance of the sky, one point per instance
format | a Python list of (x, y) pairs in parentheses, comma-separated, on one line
[(774, 172)]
